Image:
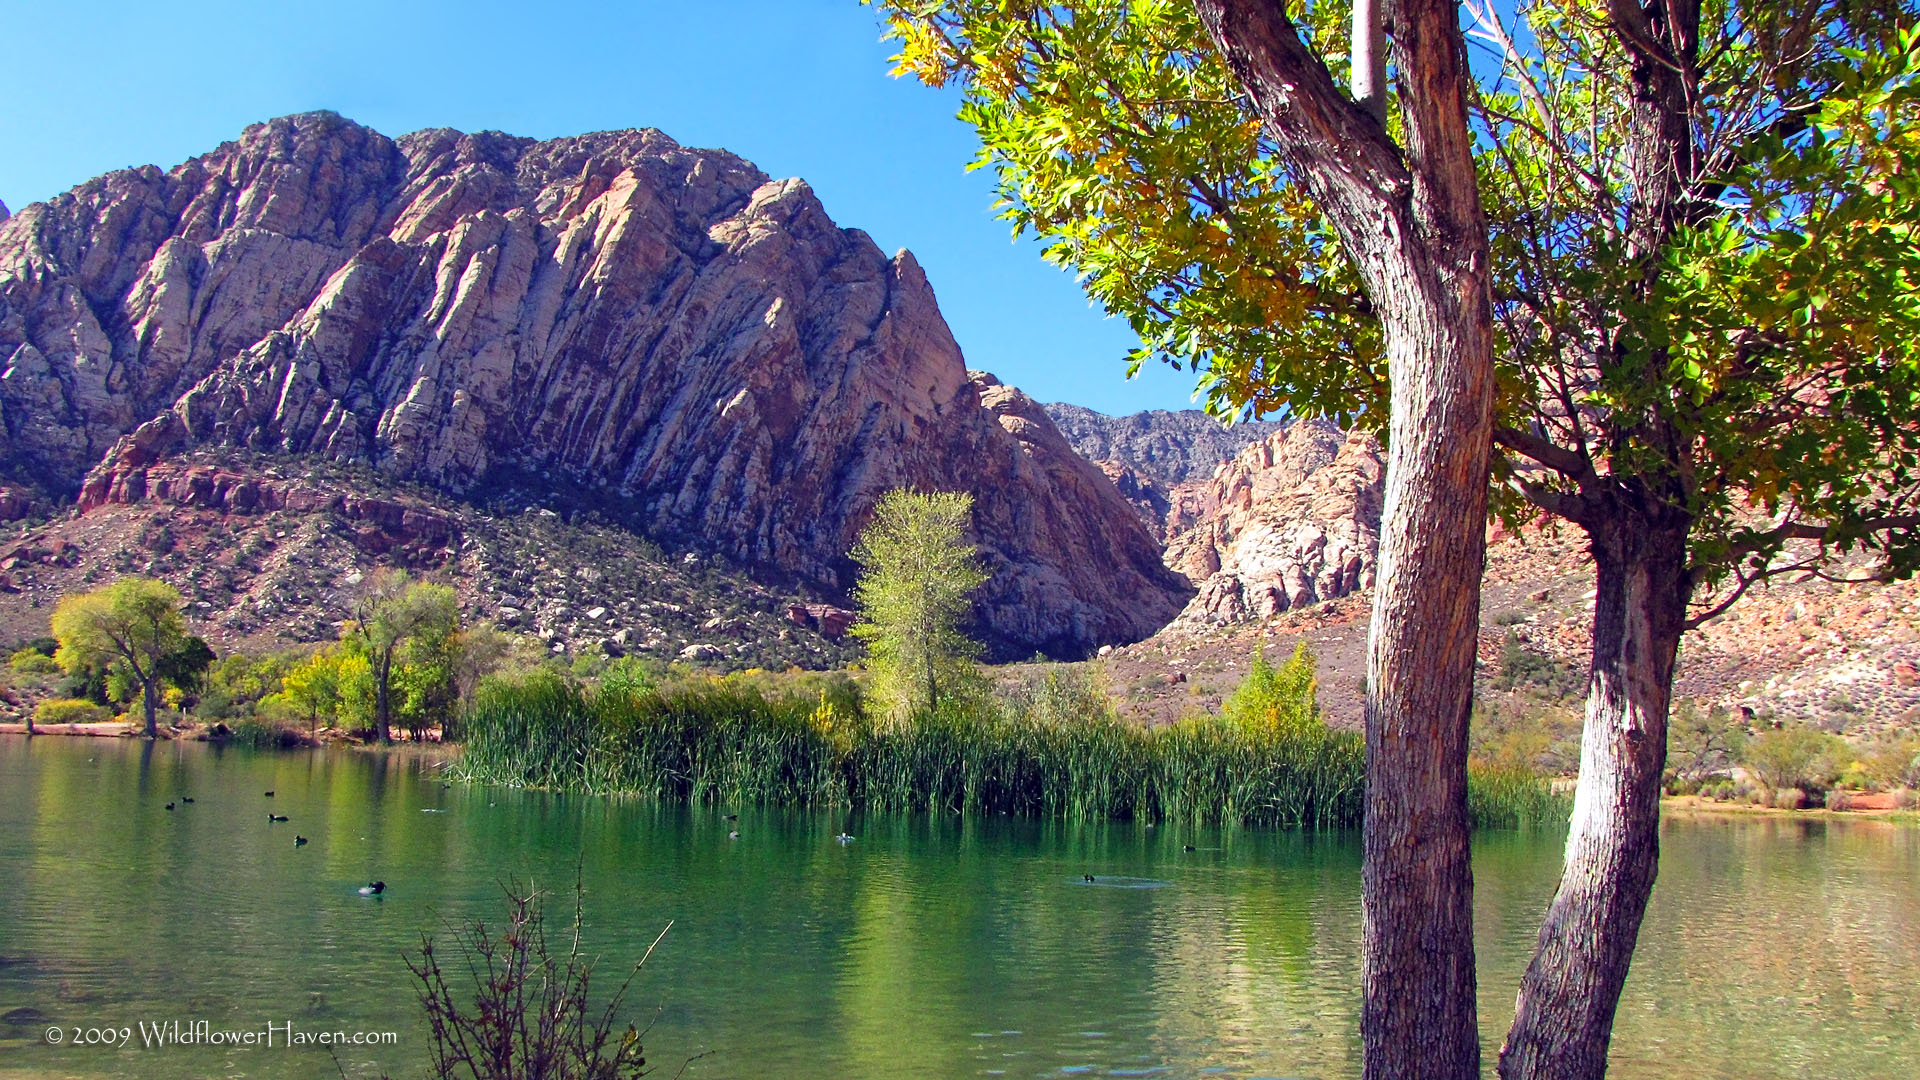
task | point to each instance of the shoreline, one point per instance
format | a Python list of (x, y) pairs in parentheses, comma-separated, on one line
[(1694, 806), (1684, 805), (115, 729)]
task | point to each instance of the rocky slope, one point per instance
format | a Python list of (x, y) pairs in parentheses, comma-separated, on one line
[(1842, 657), (1291, 521), (268, 555), (1167, 447), (664, 332)]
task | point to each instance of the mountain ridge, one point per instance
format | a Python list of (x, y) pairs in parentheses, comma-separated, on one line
[(611, 312), (1170, 446)]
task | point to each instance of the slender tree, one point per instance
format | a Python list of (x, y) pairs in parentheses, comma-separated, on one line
[(394, 613), (1699, 228), (134, 623), (917, 575)]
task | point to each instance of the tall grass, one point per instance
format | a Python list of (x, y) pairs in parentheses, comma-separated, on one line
[(1507, 798), (1055, 749)]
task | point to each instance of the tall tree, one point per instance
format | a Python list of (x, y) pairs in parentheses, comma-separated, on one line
[(917, 574), (1707, 232), (395, 613), (1366, 214), (134, 623), (1702, 261)]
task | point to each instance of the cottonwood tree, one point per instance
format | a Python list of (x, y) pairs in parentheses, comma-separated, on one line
[(917, 574), (1709, 325), (134, 624), (1275, 194), (397, 613), (1700, 236)]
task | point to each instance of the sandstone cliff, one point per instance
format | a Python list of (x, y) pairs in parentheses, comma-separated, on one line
[(665, 327), (1293, 520)]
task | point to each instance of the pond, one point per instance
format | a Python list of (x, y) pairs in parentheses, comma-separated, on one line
[(925, 947)]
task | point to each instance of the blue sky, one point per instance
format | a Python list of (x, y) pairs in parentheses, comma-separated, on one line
[(799, 87)]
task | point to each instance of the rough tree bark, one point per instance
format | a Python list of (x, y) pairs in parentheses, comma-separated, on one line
[(1411, 219), (1563, 1017)]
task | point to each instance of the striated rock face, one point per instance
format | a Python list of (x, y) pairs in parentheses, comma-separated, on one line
[(1293, 520), (662, 326), (1168, 447)]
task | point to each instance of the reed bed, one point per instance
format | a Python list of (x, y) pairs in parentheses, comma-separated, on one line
[(1035, 755)]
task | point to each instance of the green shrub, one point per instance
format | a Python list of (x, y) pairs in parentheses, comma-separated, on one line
[(262, 735), (1524, 736), (1700, 745), (70, 711), (1892, 762), (1796, 757), (1520, 667), (234, 685), (1277, 700), (33, 662)]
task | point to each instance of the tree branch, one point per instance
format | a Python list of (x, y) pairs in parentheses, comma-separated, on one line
[(1338, 150), (1574, 464)]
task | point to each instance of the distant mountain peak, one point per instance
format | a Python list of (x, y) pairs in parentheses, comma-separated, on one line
[(1170, 447)]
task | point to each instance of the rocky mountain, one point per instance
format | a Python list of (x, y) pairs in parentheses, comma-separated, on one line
[(663, 332), (1165, 447), (1292, 520)]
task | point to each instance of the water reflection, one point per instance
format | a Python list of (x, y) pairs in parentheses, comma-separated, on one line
[(927, 947)]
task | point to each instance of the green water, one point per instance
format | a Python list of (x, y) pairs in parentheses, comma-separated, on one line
[(925, 948)]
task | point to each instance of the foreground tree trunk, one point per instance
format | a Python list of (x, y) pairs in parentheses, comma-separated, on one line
[(1418, 1013), (1412, 221), (1563, 1020)]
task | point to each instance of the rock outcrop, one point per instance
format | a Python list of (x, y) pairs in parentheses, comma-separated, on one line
[(1169, 447), (1293, 520), (409, 530), (697, 345)]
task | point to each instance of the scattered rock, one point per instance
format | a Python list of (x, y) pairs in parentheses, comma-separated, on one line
[(829, 621)]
